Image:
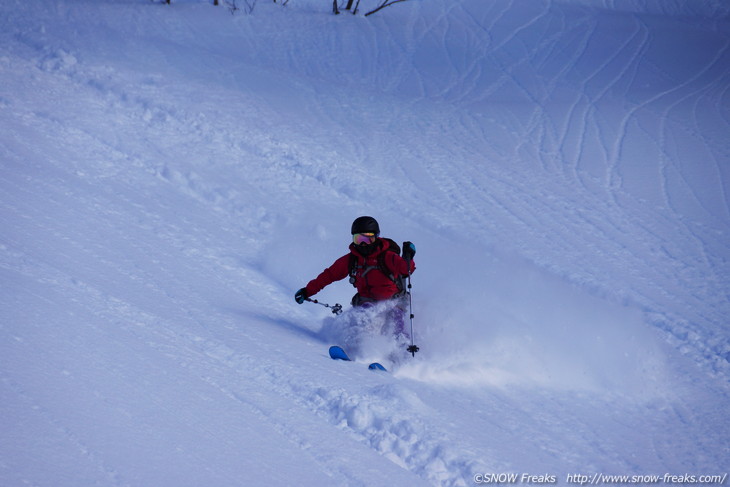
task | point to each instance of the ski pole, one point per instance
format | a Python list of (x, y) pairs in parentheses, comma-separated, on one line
[(413, 348), (336, 308)]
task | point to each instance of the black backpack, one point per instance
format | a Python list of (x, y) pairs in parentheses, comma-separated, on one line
[(399, 280)]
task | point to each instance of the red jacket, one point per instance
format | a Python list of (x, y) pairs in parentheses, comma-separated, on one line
[(373, 284)]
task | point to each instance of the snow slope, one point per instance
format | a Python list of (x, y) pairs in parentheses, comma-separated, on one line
[(172, 174)]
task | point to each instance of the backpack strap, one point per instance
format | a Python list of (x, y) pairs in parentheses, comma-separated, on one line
[(353, 267), (398, 280)]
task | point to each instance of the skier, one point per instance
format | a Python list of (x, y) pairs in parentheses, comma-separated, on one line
[(375, 268)]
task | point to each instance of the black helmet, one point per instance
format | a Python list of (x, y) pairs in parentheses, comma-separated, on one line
[(365, 224)]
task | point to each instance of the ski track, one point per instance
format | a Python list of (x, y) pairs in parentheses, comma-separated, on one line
[(389, 419), (218, 365)]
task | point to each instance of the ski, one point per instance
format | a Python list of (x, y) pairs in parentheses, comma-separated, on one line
[(337, 353)]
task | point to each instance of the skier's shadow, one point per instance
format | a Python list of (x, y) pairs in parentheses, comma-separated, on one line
[(289, 326)]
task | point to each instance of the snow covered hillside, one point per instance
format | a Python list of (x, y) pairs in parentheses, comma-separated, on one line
[(171, 174)]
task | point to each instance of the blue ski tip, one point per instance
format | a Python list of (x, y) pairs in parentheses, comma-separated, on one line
[(336, 353), (376, 366)]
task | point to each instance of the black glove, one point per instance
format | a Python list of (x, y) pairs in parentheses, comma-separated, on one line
[(409, 250), (301, 295)]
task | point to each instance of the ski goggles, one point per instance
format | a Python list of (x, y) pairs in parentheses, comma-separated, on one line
[(364, 238)]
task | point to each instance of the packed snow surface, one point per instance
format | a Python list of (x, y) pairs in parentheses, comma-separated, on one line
[(171, 174)]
